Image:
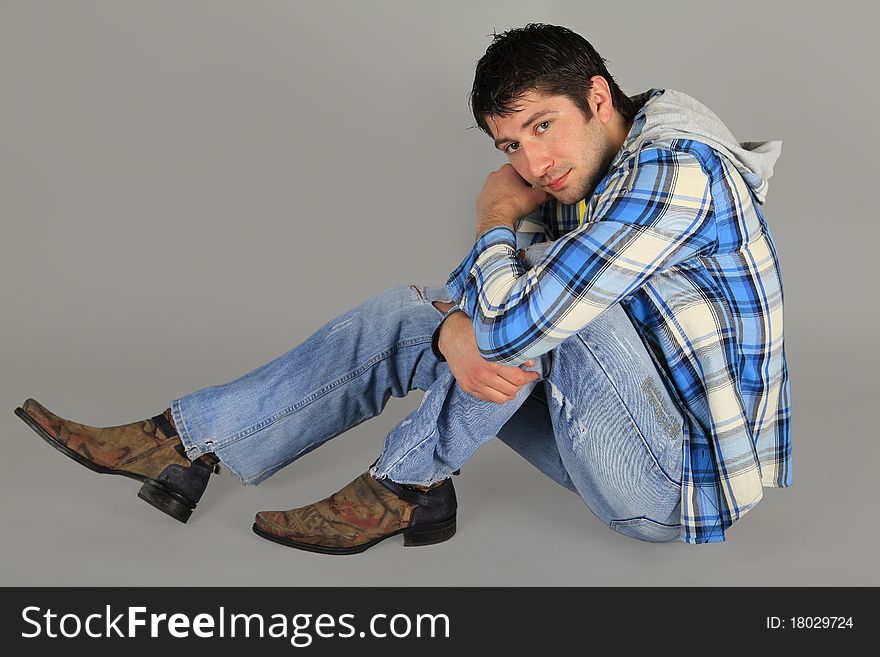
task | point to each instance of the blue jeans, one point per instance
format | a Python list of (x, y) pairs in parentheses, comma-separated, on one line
[(599, 420)]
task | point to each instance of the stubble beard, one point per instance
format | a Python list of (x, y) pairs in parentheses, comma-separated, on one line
[(595, 165)]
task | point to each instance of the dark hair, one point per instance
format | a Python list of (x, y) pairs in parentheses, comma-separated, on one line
[(543, 58)]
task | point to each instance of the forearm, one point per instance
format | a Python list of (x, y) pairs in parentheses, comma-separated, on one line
[(641, 226)]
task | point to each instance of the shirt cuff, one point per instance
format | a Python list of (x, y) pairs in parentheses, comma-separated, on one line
[(499, 235)]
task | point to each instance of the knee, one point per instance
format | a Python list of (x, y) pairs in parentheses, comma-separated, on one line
[(406, 304), (396, 299)]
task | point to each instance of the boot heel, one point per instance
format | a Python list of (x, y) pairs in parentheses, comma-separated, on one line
[(159, 497), (430, 534)]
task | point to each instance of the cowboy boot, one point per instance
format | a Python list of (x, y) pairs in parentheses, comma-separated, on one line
[(149, 451), (366, 511)]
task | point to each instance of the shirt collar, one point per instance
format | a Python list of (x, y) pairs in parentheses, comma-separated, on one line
[(640, 100)]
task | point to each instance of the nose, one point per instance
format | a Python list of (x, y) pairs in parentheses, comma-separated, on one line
[(538, 160)]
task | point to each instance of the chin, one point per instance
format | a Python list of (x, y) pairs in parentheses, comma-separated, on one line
[(567, 198), (568, 195)]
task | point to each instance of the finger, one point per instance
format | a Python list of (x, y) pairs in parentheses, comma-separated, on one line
[(502, 399), (504, 387), (533, 375), (512, 376), (490, 380), (488, 394), (518, 377)]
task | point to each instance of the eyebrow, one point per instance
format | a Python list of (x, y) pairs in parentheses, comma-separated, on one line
[(529, 121)]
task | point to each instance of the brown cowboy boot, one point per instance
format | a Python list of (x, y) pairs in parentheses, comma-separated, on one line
[(149, 451), (363, 513)]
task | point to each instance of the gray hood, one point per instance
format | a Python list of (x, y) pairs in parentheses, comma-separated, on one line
[(666, 114)]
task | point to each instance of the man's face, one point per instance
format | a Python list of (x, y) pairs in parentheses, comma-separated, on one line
[(552, 146)]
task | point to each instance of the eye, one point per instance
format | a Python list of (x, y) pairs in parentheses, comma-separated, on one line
[(513, 146)]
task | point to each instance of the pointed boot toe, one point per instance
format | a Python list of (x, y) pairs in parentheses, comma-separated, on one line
[(148, 450), (362, 514)]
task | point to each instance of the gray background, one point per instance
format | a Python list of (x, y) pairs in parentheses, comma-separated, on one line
[(188, 189)]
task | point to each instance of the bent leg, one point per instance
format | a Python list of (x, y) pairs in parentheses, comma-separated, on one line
[(340, 376), (529, 432), (445, 430), (606, 428), (618, 430)]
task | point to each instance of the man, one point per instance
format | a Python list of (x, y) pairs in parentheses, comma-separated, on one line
[(622, 261)]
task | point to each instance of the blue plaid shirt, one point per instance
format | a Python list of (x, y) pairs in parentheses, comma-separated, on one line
[(674, 234)]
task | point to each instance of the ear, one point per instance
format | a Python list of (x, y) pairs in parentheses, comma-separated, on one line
[(600, 99)]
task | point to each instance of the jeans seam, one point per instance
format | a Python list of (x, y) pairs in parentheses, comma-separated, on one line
[(275, 467), (403, 456), (315, 395), (193, 450), (628, 413)]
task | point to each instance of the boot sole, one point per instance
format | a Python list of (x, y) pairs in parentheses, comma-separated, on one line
[(153, 492), (412, 536)]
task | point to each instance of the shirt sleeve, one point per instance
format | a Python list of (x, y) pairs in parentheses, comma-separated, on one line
[(536, 227), (532, 228), (650, 214)]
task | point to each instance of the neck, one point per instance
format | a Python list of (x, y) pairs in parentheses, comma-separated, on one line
[(618, 129)]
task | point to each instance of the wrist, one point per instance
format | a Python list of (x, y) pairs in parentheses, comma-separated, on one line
[(438, 332), (483, 231), (496, 219)]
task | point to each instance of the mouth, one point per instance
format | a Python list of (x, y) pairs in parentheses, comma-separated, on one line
[(559, 182)]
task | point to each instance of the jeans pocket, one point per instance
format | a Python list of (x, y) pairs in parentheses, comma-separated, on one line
[(645, 529)]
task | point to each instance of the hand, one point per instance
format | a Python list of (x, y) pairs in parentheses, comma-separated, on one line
[(475, 375), (506, 197)]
